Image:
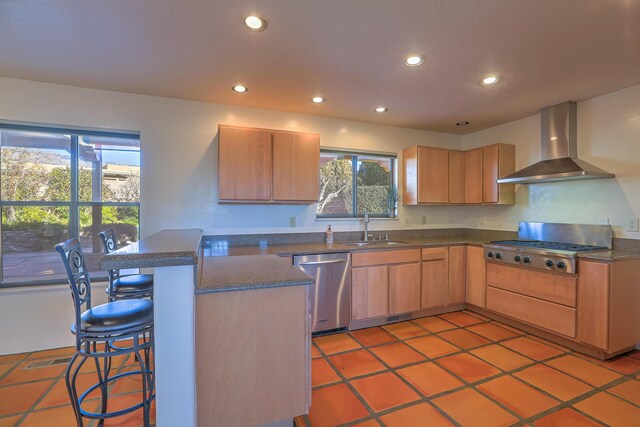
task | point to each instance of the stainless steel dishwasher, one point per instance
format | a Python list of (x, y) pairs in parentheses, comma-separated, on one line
[(331, 293)]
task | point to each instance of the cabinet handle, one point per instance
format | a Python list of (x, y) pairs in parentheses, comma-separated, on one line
[(335, 261)]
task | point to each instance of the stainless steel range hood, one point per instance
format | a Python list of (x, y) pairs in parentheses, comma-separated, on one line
[(559, 151)]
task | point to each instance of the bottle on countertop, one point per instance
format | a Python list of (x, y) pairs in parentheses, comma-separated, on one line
[(329, 235)]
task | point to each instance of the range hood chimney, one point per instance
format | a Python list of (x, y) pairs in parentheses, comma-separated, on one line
[(559, 151)]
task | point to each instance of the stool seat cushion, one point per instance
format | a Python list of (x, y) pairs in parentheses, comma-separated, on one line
[(116, 316), (134, 283)]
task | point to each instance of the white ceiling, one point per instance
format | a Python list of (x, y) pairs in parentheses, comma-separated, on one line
[(349, 51)]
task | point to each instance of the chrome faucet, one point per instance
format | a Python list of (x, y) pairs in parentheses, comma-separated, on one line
[(367, 235)]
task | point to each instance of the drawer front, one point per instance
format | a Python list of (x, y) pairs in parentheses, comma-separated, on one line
[(549, 287), (363, 259), (544, 314), (429, 254)]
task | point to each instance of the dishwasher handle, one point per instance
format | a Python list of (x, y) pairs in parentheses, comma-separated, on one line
[(333, 261)]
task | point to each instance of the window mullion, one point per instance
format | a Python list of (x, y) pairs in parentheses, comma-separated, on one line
[(73, 210), (354, 184)]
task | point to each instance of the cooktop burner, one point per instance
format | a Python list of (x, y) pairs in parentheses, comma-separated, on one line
[(539, 244)]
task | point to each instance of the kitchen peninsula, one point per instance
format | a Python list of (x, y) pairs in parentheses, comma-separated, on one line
[(210, 332)]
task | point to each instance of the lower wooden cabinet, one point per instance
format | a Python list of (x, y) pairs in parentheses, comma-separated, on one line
[(434, 277), (404, 288), (475, 276), (369, 292), (456, 268)]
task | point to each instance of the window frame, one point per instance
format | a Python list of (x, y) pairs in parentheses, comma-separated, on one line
[(74, 204), (393, 157)]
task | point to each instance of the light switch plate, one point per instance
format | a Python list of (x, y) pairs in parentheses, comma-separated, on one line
[(408, 221), (292, 221), (632, 224)]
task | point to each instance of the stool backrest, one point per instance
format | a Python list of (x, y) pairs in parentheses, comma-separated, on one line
[(73, 260), (110, 244)]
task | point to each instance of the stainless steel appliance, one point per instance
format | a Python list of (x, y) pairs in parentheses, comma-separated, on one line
[(549, 246), (331, 293)]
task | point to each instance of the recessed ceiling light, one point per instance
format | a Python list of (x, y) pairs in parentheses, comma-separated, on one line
[(381, 109), (490, 80), (414, 60), (239, 88), (255, 23), (462, 123), (318, 99)]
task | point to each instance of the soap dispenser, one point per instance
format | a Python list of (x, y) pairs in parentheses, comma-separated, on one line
[(329, 235)]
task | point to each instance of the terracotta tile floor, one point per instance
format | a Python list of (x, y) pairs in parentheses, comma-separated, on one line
[(466, 370), (38, 397)]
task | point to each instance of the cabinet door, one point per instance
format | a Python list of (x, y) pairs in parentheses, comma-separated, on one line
[(456, 286), (456, 176), (369, 292), (296, 158), (498, 160), (404, 288), (473, 176), (593, 304), (475, 276), (244, 164), (434, 283), (433, 175)]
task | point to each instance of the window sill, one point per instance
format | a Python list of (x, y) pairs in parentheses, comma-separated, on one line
[(371, 218)]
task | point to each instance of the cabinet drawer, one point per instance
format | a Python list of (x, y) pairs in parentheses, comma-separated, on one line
[(549, 287), (363, 259), (429, 254), (544, 314)]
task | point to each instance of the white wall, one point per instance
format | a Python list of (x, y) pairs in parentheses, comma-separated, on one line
[(608, 137)]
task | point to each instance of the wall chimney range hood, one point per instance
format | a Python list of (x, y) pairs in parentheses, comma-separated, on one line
[(559, 151)]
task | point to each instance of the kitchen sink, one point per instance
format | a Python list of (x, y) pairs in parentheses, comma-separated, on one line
[(375, 243)]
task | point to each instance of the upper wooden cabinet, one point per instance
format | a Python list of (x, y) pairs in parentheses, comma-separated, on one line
[(498, 160), (267, 166), (440, 176), (425, 175)]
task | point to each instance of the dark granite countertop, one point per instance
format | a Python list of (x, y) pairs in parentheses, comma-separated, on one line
[(163, 249), (237, 273), (222, 249), (609, 255)]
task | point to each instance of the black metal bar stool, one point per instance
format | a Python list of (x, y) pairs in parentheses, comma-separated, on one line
[(124, 286), (96, 329)]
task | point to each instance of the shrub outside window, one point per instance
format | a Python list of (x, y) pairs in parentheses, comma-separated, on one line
[(60, 183), (351, 183)]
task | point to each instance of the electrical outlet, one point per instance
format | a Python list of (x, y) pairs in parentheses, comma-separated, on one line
[(408, 221), (292, 221), (424, 219), (632, 224)]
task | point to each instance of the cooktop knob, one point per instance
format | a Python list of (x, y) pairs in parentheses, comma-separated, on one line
[(561, 264), (517, 258), (526, 260), (498, 255), (549, 263), (490, 254)]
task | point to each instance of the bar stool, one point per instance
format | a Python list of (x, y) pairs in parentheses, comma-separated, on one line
[(96, 329), (124, 286)]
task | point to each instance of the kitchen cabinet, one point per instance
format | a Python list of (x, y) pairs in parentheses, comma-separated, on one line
[(475, 276), (473, 176), (608, 299), (425, 175), (498, 160), (267, 166), (434, 277), (384, 283), (456, 176), (457, 272)]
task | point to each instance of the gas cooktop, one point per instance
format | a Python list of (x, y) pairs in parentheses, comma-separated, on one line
[(541, 244)]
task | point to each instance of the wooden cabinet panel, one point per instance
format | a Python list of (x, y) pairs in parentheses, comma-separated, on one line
[(473, 176), (404, 288), (546, 286), (429, 254), (410, 176), (475, 276), (433, 175), (361, 259), (369, 292), (456, 268), (434, 283), (456, 176), (498, 160), (244, 164), (554, 317), (296, 158), (593, 311)]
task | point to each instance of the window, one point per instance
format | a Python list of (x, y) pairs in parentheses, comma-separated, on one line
[(351, 183), (60, 183)]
